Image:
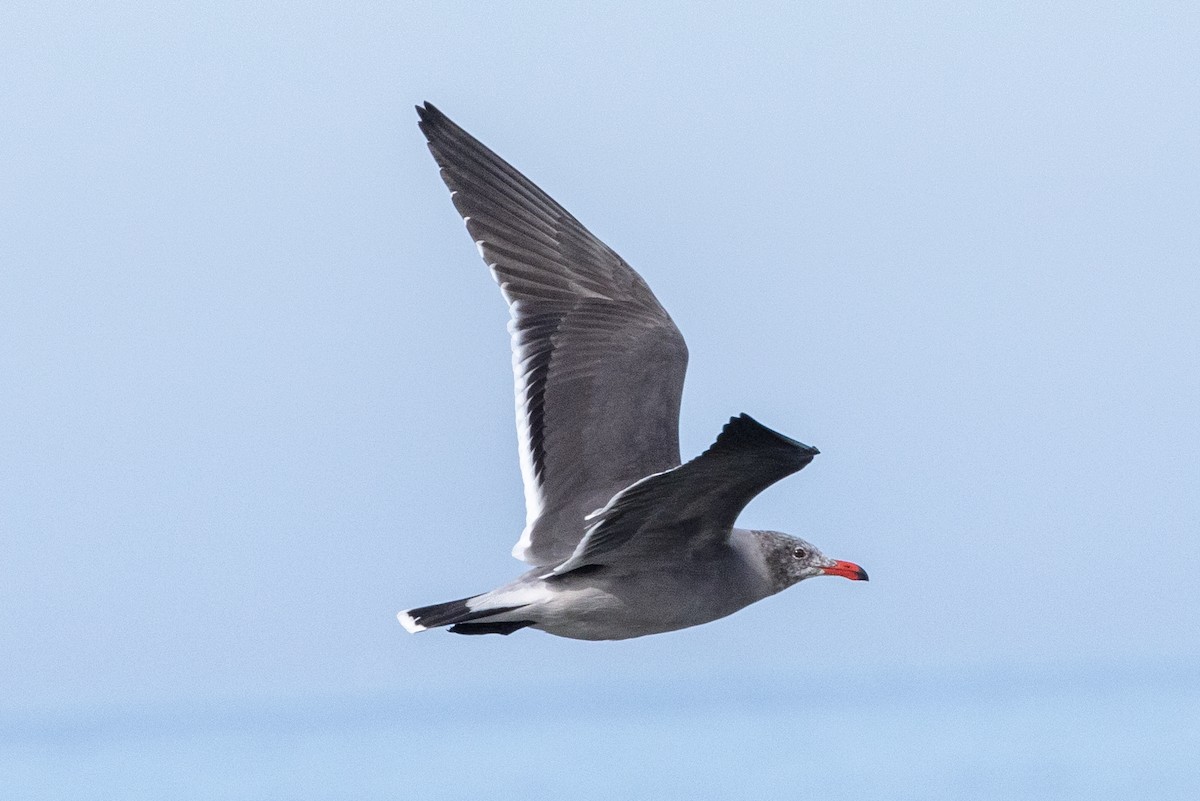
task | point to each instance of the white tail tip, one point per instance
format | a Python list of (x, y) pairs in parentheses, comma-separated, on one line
[(410, 625)]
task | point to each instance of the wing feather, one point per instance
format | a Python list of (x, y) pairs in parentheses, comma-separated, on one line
[(598, 365), (696, 504)]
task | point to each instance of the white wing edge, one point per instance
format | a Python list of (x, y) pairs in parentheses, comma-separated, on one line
[(576, 558), (533, 491), (410, 625)]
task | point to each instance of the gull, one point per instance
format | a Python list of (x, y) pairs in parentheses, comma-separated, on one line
[(624, 540)]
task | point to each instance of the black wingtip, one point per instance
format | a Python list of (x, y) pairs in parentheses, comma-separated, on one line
[(437, 127), (744, 427), (430, 121), (429, 118)]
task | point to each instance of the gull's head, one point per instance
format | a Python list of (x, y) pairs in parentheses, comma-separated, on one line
[(791, 559)]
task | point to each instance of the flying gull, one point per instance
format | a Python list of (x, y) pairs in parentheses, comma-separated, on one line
[(624, 540)]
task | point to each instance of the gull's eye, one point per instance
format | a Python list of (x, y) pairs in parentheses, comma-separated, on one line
[(800, 553)]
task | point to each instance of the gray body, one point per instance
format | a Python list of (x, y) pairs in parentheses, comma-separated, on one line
[(624, 539), (632, 598)]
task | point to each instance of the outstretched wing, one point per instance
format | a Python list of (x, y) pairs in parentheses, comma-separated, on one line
[(598, 363), (693, 505)]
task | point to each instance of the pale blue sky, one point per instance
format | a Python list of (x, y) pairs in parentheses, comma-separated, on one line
[(257, 393)]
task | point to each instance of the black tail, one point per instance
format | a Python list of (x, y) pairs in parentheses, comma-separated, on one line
[(490, 628), (458, 615)]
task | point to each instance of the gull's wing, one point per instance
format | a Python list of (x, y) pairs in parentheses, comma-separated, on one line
[(598, 363), (692, 506)]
